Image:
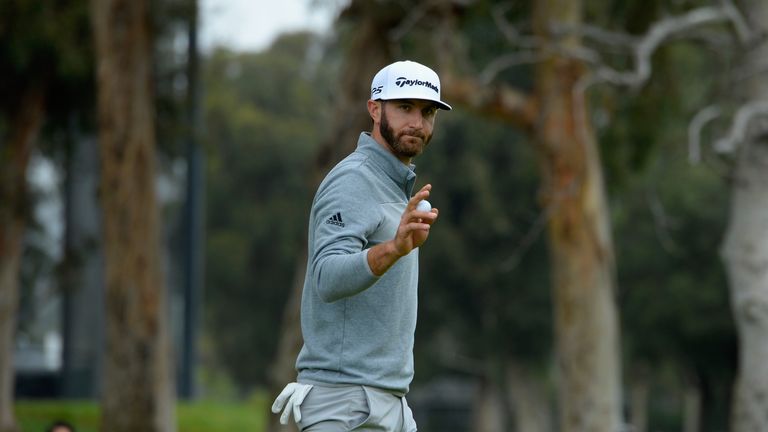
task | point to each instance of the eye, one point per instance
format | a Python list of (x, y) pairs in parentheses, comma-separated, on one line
[(405, 107), (429, 112)]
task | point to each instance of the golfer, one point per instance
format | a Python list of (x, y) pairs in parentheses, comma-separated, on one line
[(358, 309)]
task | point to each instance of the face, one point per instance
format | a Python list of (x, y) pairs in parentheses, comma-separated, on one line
[(406, 126)]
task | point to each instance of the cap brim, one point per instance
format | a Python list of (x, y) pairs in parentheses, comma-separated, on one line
[(440, 104)]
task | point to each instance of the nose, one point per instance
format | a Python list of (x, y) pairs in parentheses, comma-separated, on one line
[(416, 119)]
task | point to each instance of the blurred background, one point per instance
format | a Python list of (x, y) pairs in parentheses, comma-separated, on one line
[(599, 262)]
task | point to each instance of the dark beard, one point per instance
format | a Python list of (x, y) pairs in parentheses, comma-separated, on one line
[(401, 150)]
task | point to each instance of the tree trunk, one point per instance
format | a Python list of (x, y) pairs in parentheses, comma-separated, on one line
[(367, 54), (10, 242), (138, 390), (746, 258), (638, 400), (530, 403), (581, 247), (573, 194), (487, 409), (692, 408), (14, 158), (745, 248)]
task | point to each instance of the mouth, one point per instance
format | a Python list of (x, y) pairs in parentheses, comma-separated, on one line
[(415, 137)]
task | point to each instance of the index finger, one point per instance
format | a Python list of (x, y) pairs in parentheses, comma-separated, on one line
[(283, 397), (422, 194)]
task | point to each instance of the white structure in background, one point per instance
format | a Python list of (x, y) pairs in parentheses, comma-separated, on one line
[(38, 345), (39, 357)]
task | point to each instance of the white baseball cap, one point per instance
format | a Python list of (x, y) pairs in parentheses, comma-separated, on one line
[(407, 80)]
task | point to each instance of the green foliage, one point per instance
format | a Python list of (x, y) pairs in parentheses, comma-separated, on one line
[(223, 417), (635, 125), (36, 416), (484, 280), (674, 295), (671, 223), (46, 45), (45, 50), (265, 116), (669, 217), (37, 34)]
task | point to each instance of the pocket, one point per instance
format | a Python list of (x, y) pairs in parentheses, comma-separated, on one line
[(362, 411), (344, 407)]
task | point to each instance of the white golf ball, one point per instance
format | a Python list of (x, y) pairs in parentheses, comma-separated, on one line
[(424, 206)]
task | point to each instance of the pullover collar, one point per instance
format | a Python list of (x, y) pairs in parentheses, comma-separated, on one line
[(403, 175)]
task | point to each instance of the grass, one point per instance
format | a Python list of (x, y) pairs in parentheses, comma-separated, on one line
[(35, 416), (248, 416)]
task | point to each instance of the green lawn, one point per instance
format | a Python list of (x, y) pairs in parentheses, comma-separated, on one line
[(35, 416)]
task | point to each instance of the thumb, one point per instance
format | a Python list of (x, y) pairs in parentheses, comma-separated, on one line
[(287, 413)]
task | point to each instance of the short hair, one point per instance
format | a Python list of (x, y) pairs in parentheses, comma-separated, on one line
[(60, 424)]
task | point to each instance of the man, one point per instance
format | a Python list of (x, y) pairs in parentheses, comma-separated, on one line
[(60, 426), (358, 310)]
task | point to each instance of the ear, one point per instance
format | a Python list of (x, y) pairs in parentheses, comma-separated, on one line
[(374, 109)]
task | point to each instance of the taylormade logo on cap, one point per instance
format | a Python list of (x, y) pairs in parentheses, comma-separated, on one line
[(407, 80), (403, 81)]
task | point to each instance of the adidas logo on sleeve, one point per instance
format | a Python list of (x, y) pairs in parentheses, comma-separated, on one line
[(335, 220)]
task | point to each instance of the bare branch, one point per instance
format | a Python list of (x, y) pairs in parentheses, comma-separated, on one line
[(538, 226), (420, 11), (739, 22), (694, 131), (500, 101), (740, 125), (662, 223), (747, 72), (658, 33), (529, 57), (530, 237), (600, 35), (641, 48), (506, 61), (413, 18), (509, 31)]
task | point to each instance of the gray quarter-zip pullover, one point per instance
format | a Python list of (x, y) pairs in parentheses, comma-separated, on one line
[(359, 328)]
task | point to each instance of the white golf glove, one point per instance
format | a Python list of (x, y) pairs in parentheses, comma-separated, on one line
[(293, 394)]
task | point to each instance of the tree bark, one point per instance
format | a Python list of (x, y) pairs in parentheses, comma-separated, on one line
[(745, 247), (639, 388), (14, 159), (368, 53), (487, 409), (530, 403), (138, 390), (692, 408), (745, 252), (581, 247)]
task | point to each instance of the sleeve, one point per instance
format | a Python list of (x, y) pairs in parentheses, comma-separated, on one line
[(345, 214)]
